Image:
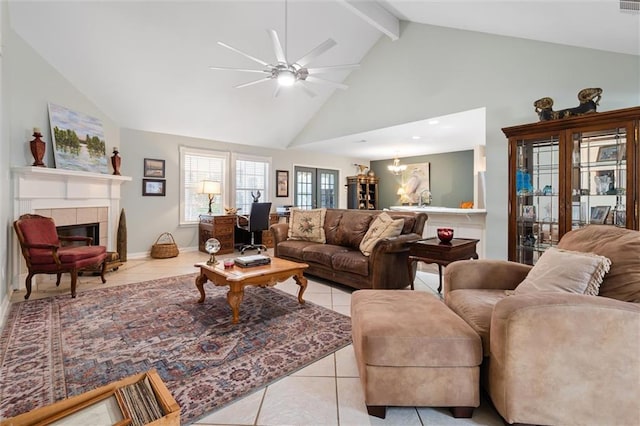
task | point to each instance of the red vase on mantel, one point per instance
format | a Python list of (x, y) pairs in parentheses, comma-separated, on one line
[(116, 161), (37, 146)]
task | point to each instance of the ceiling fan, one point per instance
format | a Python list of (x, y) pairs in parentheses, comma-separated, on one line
[(290, 73)]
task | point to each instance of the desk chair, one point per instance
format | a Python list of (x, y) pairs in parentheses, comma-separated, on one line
[(257, 221)]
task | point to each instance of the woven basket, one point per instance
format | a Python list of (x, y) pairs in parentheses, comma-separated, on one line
[(166, 249)]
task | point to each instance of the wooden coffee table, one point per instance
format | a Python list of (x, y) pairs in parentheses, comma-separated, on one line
[(238, 278)]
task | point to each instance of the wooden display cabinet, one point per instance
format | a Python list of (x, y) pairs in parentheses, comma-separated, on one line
[(220, 227), (104, 405), (362, 192), (568, 173)]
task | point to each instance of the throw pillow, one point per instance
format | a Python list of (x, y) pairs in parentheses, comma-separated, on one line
[(307, 225), (382, 227), (566, 271)]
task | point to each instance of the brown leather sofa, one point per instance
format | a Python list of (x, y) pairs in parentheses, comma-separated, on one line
[(340, 259), (555, 358)]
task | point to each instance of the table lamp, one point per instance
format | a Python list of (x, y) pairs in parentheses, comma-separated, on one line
[(211, 188)]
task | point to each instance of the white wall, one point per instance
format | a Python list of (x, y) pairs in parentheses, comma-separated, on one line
[(28, 84), (148, 217), (34, 83), (432, 71), (5, 208)]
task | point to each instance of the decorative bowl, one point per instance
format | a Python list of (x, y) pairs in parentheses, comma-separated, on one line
[(445, 234)]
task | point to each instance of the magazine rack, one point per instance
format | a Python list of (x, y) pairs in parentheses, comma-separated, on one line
[(107, 405)]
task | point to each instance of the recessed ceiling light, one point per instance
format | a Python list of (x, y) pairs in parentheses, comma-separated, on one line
[(433, 122), (416, 137)]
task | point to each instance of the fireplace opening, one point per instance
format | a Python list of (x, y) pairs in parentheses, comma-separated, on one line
[(80, 230)]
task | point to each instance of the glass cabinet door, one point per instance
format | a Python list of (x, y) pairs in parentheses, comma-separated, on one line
[(537, 197), (599, 178)]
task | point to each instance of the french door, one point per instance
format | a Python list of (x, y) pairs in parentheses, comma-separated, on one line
[(315, 188)]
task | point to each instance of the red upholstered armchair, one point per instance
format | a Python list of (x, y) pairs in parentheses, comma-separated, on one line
[(44, 253)]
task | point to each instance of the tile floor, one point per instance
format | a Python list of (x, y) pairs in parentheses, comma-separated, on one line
[(327, 392)]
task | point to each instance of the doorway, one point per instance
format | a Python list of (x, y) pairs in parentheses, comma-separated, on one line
[(315, 188)]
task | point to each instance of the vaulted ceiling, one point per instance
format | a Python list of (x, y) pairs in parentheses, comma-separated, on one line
[(146, 63)]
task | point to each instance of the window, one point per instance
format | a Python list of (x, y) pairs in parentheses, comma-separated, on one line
[(197, 165), (252, 175)]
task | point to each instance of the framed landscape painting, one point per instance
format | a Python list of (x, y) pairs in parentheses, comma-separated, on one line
[(153, 168), (78, 140)]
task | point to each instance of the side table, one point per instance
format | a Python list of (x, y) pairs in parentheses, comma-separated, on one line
[(431, 250)]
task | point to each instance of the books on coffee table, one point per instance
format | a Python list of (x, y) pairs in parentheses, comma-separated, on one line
[(255, 260)]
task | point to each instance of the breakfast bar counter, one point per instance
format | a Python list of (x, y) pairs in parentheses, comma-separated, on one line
[(466, 223)]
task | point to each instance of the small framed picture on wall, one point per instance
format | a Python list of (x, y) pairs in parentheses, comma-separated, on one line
[(282, 183), (153, 168), (154, 187)]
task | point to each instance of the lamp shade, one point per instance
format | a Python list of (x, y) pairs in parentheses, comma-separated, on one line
[(209, 187)]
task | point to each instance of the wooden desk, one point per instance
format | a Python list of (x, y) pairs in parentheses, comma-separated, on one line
[(431, 250), (220, 227), (223, 228)]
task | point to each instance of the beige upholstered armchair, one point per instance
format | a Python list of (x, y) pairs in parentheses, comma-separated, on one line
[(558, 358)]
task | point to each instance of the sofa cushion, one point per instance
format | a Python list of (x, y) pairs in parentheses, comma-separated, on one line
[(475, 307), (409, 221), (353, 227), (307, 225), (565, 271), (382, 227), (622, 247), (293, 249), (351, 261), (332, 224), (321, 253)]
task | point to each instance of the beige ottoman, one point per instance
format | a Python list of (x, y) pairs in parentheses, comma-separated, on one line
[(412, 350)]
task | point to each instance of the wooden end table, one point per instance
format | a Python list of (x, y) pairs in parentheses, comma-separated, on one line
[(431, 250), (238, 278)]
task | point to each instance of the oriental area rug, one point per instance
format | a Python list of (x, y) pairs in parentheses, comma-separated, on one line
[(58, 347)]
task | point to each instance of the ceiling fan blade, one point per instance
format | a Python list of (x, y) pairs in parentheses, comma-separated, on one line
[(277, 91), (304, 87), (319, 70), (313, 79), (240, 69), (251, 83), (260, 61), (316, 51), (277, 46)]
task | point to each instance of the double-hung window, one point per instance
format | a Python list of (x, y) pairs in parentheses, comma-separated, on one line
[(197, 165), (251, 178)]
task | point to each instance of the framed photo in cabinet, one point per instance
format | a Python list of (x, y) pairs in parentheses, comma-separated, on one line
[(528, 212), (608, 153), (599, 214)]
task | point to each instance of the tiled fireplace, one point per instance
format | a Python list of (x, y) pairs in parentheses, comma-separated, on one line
[(70, 198)]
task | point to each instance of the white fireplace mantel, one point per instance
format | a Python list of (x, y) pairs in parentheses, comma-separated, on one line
[(44, 188), (41, 188), (41, 183)]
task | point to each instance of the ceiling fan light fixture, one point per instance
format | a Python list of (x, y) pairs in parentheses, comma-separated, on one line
[(286, 77)]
